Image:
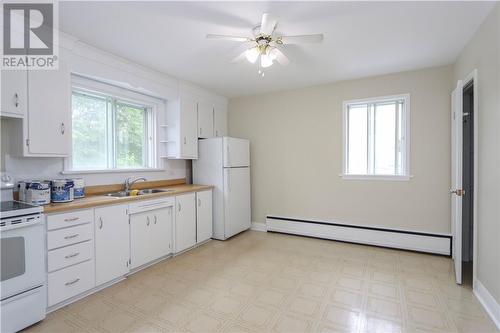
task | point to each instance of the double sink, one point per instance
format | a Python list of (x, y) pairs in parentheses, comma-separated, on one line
[(122, 194)]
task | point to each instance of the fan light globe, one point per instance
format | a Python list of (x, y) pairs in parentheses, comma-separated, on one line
[(252, 54), (265, 61)]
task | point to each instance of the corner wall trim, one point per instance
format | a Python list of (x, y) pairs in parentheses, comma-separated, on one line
[(258, 226), (488, 302), (393, 238)]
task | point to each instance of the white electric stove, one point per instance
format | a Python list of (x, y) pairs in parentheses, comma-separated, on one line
[(22, 274)]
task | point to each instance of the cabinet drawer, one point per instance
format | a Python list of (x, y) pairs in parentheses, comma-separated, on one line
[(70, 282), (58, 221), (69, 236), (69, 255)]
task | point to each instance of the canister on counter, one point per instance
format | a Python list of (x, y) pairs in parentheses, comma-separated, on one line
[(62, 190), (37, 192), (79, 188)]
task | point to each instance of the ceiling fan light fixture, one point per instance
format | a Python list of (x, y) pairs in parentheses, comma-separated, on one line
[(265, 61), (252, 54)]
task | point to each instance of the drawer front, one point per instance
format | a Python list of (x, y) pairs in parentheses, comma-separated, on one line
[(64, 220), (69, 236), (70, 282), (69, 255)]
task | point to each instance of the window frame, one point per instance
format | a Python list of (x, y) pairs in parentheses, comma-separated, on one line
[(154, 107), (405, 128)]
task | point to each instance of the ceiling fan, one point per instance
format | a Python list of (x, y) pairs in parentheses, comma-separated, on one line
[(265, 44)]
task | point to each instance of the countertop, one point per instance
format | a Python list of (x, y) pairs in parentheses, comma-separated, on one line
[(95, 200)]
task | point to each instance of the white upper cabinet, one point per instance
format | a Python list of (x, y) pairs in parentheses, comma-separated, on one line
[(14, 99), (205, 120), (112, 243), (182, 130), (49, 112), (220, 121)]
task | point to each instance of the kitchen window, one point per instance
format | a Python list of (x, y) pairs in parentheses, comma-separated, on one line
[(376, 138), (113, 129)]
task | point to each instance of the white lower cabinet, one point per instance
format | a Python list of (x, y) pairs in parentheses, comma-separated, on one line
[(185, 221), (112, 243), (150, 236), (70, 282), (203, 216), (88, 248)]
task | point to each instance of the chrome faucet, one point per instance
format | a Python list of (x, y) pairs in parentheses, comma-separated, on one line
[(131, 181)]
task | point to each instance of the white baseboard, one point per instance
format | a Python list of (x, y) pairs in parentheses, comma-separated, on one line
[(488, 302), (258, 226), (393, 238)]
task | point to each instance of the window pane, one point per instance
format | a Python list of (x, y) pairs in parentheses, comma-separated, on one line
[(385, 138), (130, 136), (89, 115), (357, 140)]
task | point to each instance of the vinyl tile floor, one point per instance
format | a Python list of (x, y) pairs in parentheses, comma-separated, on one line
[(265, 282)]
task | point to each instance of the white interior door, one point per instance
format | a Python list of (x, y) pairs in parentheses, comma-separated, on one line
[(456, 177)]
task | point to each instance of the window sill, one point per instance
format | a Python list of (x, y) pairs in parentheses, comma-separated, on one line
[(376, 177), (81, 172)]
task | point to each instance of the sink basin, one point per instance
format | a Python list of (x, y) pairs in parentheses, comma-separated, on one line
[(122, 194)]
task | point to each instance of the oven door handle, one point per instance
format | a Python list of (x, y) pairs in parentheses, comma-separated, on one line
[(38, 221)]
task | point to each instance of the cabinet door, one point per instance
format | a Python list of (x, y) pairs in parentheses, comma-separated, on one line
[(185, 221), (49, 111), (220, 121), (141, 246), (112, 245), (14, 93), (205, 120), (189, 129), (203, 216), (162, 231)]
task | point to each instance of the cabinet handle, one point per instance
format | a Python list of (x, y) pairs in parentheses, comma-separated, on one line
[(100, 224), (148, 221), (179, 206), (216, 133), (155, 219), (199, 202), (71, 236), (72, 282), (16, 100), (71, 219), (62, 128), (201, 130), (184, 140), (72, 255)]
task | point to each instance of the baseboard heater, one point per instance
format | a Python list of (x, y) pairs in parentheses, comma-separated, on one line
[(392, 238)]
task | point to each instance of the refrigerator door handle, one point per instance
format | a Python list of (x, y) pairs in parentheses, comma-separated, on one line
[(228, 180)]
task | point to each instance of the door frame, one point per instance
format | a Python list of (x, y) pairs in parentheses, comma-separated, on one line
[(472, 77)]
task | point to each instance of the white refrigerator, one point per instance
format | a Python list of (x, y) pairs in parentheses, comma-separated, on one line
[(225, 163)]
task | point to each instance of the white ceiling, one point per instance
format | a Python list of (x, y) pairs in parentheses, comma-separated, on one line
[(361, 38)]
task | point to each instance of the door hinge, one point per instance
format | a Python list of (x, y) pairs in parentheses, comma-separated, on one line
[(27, 142)]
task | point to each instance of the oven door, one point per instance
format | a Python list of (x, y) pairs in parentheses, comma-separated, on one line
[(22, 257)]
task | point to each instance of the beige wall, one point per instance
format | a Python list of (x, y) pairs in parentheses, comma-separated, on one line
[(482, 53), (296, 153)]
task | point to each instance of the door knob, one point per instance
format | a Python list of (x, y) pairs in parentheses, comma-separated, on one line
[(458, 192)]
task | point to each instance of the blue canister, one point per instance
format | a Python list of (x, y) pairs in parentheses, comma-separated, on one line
[(79, 188), (37, 192), (62, 190)]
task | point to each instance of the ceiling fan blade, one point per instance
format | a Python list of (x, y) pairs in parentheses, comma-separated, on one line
[(299, 39), (268, 24), (229, 37), (239, 58), (280, 57)]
